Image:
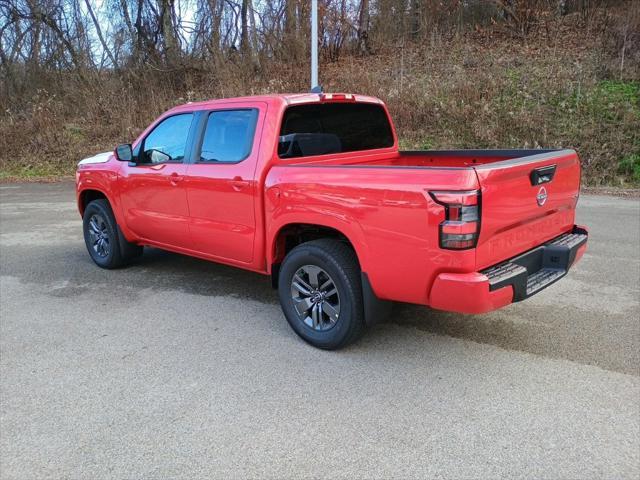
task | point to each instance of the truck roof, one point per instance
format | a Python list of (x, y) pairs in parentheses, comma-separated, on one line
[(284, 99)]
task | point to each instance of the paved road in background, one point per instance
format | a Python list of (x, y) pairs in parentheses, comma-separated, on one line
[(180, 368)]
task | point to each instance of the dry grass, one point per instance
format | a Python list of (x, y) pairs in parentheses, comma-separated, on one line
[(481, 90)]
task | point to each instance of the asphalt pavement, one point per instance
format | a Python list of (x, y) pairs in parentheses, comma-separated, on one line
[(180, 368)]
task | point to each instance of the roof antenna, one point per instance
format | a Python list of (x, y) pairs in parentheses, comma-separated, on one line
[(315, 87)]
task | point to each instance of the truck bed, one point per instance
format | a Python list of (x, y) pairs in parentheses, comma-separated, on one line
[(439, 158), (385, 199)]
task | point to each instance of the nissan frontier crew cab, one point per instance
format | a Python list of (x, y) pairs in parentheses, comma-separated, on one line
[(312, 190)]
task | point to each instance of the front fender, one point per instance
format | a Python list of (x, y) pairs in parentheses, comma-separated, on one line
[(105, 181)]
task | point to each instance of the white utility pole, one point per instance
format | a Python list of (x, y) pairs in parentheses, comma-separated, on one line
[(314, 45)]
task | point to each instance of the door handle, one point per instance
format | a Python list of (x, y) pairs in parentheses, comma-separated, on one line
[(175, 178), (542, 175), (238, 183)]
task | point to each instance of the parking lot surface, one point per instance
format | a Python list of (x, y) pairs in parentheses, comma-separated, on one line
[(180, 368)]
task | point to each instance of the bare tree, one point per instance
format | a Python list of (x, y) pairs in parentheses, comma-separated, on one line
[(103, 43), (244, 35), (171, 45), (363, 27)]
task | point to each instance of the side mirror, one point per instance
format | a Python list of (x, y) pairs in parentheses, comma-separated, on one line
[(124, 152)]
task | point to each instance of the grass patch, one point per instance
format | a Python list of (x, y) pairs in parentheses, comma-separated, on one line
[(621, 91), (33, 172), (629, 166)]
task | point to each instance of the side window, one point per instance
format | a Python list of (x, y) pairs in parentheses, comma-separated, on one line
[(168, 141), (228, 137)]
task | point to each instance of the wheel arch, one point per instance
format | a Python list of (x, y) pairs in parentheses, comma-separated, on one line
[(290, 235), (88, 195), (293, 234)]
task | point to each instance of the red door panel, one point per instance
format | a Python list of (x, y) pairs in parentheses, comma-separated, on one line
[(221, 185), (221, 199), (154, 203)]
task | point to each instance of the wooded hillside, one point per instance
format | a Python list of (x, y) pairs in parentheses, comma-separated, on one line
[(79, 76)]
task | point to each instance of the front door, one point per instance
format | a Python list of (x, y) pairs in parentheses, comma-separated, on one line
[(221, 187), (153, 194)]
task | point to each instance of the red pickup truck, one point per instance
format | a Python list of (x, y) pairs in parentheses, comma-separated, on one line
[(312, 190)]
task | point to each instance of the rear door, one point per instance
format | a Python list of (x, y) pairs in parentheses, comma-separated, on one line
[(221, 184), (525, 202)]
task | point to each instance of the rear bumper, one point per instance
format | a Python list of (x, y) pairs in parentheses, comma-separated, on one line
[(512, 280)]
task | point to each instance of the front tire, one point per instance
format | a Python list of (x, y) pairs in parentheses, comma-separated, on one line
[(320, 293), (105, 243)]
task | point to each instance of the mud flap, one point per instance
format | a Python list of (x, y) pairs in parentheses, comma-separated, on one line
[(375, 310)]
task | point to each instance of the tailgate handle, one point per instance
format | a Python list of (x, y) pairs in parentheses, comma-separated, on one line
[(542, 175)]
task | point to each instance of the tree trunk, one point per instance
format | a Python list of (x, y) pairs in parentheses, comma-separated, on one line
[(245, 48), (363, 28), (76, 57), (138, 48), (290, 40), (96, 24), (254, 28), (415, 15), (171, 46), (562, 7), (215, 10), (127, 21)]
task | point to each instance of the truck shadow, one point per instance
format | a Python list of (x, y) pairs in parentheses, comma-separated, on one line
[(67, 271), (158, 269), (201, 277), (488, 328)]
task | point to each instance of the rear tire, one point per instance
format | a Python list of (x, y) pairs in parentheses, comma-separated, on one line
[(320, 291), (105, 243)]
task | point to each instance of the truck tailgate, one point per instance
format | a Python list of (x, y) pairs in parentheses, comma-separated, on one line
[(525, 202)]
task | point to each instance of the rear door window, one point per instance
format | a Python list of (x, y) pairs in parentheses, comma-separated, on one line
[(322, 129), (228, 136)]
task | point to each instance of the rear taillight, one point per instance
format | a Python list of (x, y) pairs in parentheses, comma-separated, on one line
[(461, 225)]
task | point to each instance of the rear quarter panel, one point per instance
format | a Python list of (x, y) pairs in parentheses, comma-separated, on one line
[(386, 213)]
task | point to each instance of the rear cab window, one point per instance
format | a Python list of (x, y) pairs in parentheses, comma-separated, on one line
[(328, 128)]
